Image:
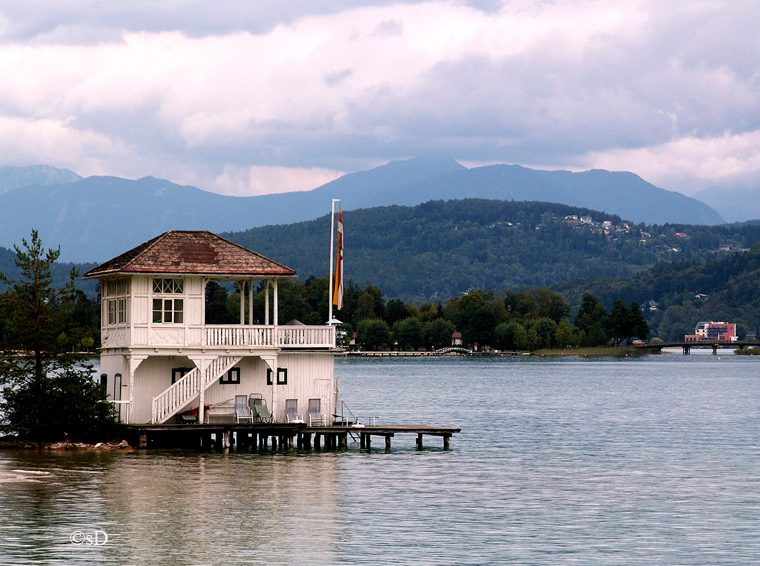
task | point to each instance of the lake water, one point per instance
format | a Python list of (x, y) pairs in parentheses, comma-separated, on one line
[(652, 460)]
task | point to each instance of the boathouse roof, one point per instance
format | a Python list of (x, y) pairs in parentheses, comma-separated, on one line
[(195, 252)]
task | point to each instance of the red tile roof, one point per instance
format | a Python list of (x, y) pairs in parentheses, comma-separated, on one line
[(200, 253)]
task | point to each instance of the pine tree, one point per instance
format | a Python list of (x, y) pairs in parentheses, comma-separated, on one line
[(46, 391)]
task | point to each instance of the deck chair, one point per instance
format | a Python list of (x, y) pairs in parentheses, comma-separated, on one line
[(291, 411), (260, 410), (242, 410), (316, 418)]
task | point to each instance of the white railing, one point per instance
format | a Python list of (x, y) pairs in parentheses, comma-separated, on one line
[(239, 336), (306, 336), (182, 391), (287, 336)]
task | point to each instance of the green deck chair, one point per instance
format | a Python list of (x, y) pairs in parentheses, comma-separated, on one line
[(260, 410)]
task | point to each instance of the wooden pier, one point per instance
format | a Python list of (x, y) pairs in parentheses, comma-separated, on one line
[(276, 437)]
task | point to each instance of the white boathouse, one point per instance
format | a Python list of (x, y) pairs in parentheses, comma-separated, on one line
[(159, 358)]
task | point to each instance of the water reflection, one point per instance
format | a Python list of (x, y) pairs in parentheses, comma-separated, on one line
[(169, 508)]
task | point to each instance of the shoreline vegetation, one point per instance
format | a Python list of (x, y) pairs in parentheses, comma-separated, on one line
[(748, 352), (616, 351), (589, 351)]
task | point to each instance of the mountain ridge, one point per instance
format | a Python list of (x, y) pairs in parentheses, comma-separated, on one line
[(97, 218), (14, 177)]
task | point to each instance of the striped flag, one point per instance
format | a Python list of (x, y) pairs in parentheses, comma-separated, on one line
[(338, 292)]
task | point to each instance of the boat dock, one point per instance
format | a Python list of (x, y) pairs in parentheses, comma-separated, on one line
[(275, 436)]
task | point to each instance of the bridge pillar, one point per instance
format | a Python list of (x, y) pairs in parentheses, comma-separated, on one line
[(686, 350), (715, 349)]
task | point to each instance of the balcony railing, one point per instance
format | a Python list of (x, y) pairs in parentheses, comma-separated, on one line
[(287, 336), (239, 336), (221, 336)]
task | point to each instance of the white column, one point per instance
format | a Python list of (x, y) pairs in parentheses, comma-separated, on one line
[(266, 304), (250, 302), (271, 361), (131, 393), (133, 362), (202, 398), (276, 306), (202, 363), (242, 301)]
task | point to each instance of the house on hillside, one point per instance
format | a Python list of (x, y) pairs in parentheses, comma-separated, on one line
[(159, 358)]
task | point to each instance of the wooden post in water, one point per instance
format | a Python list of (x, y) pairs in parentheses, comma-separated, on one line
[(419, 441), (388, 442), (446, 438), (342, 441)]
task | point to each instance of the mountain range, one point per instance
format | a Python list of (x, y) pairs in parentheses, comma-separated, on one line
[(96, 218)]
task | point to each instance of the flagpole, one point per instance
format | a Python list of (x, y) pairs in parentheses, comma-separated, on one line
[(332, 245)]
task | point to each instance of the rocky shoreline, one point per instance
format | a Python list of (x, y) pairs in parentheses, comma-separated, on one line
[(16, 444)]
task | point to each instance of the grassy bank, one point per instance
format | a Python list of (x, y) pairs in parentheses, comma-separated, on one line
[(748, 352)]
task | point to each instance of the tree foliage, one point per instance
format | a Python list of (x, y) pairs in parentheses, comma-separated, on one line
[(47, 391), (373, 334), (441, 249)]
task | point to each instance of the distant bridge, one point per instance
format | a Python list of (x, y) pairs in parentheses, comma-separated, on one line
[(687, 346), (455, 350)]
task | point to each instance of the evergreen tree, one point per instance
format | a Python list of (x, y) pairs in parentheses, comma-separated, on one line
[(619, 322), (639, 326), (47, 392), (592, 321)]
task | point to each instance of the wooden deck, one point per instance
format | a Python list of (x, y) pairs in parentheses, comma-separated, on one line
[(275, 436)]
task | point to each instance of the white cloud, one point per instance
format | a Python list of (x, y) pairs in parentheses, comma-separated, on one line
[(296, 92), (689, 164)]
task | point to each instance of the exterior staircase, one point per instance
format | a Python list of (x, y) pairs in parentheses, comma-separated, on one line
[(184, 390)]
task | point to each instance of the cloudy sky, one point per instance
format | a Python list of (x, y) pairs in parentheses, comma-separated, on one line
[(243, 97)]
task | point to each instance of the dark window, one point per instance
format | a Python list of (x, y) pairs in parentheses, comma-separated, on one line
[(104, 383), (282, 376), (232, 376), (168, 310), (179, 373)]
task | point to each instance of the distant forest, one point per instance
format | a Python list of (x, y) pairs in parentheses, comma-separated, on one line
[(439, 250), (428, 254), (687, 291)]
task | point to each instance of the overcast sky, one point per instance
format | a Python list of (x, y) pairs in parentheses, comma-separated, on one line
[(244, 97)]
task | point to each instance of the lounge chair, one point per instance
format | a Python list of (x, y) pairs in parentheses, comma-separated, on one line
[(242, 410), (291, 411), (260, 410), (316, 417)]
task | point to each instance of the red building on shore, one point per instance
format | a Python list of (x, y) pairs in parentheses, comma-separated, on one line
[(713, 332)]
